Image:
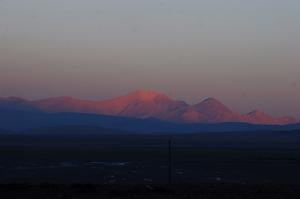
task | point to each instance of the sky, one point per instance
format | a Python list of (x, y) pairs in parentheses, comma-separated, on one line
[(244, 53)]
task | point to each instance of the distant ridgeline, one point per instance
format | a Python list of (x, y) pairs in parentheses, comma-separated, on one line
[(147, 111)]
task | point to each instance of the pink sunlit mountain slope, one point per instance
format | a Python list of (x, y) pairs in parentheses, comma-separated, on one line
[(149, 104)]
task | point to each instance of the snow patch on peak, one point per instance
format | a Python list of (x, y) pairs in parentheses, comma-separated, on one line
[(211, 101), (257, 113)]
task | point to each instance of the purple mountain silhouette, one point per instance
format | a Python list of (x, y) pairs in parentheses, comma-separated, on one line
[(147, 104)]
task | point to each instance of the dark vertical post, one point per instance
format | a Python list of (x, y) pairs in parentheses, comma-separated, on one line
[(170, 161)]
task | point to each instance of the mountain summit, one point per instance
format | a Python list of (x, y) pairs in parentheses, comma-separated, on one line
[(141, 104), (260, 117), (146, 95), (147, 104), (213, 110)]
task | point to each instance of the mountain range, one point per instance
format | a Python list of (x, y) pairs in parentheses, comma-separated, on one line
[(145, 104)]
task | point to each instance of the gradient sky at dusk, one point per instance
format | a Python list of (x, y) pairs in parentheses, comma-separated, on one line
[(244, 52)]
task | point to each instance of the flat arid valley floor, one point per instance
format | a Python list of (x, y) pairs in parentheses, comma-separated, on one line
[(206, 165)]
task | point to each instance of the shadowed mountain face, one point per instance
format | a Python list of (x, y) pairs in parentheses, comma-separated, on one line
[(146, 104), (15, 103)]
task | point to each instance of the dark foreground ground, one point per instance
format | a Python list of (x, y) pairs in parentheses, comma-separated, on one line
[(234, 158), (224, 191), (219, 165)]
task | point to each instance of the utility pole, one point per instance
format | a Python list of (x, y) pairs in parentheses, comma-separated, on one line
[(170, 165)]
